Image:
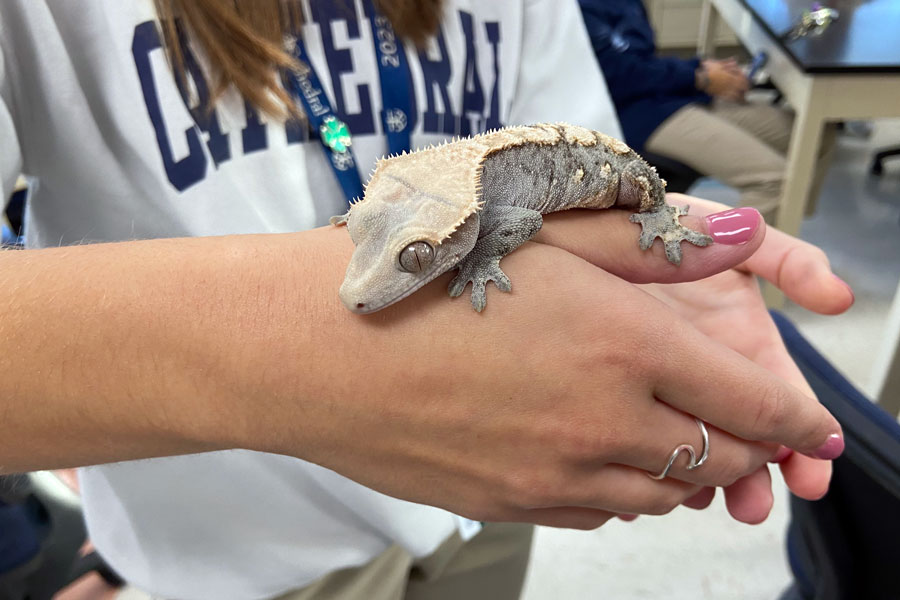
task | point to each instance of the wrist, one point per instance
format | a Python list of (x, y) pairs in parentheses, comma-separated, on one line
[(286, 361), (701, 79)]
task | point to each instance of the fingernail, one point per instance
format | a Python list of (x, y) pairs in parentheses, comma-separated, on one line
[(627, 517), (831, 449), (735, 226), (846, 285), (783, 453)]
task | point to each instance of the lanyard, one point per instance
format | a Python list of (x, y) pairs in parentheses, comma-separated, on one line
[(393, 71)]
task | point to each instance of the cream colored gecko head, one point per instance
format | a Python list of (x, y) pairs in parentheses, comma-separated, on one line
[(417, 220)]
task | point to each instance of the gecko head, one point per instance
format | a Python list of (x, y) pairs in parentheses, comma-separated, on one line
[(401, 244)]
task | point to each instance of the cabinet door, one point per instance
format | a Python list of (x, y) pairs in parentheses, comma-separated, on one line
[(677, 24)]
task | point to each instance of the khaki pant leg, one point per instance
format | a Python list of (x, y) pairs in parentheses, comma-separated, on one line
[(714, 146), (490, 566), (773, 125), (384, 578)]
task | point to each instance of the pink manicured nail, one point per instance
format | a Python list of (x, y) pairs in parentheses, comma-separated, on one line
[(831, 449), (734, 226), (782, 455), (627, 517), (846, 285)]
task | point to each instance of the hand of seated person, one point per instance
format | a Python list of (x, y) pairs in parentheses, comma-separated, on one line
[(723, 79)]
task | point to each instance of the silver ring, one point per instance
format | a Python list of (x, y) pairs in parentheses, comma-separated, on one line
[(694, 463)]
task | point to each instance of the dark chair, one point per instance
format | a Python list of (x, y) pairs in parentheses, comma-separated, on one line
[(12, 234), (41, 534), (878, 162), (679, 177), (846, 546)]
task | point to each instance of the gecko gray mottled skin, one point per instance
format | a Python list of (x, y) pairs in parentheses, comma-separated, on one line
[(468, 203)]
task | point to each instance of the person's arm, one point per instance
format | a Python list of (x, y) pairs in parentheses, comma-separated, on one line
[(140, 349), (131, 350), (633, 75)]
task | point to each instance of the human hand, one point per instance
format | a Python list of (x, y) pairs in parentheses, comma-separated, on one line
[(551, 407), (728, 308), (723, 79)]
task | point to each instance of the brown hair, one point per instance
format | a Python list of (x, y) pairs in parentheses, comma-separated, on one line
[(242, 40)]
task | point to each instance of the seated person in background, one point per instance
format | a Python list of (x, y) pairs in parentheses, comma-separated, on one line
[(690, 110)]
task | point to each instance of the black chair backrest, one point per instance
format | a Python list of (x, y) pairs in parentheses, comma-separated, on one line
[(679, 177)]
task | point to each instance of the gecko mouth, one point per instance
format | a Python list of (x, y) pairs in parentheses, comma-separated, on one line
[(364, 308)]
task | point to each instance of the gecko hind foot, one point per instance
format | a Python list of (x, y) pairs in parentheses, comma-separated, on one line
[(479, 274), (663, 223)]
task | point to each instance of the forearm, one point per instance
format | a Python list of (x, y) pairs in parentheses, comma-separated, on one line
[(121, 351)]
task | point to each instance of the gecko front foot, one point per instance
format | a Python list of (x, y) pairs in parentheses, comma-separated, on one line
[(479, 273), (663, 223)]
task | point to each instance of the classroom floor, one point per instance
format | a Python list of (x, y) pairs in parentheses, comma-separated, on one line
[(696, 555)]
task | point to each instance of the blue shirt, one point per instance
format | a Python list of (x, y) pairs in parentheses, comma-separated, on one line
[(646, 89)]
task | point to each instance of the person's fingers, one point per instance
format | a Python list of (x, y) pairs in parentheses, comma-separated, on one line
[(666, 429), (619, 489), (623, 491), (701, 499), (806, 477), (781, 455), (800, 269), (609, 240), (802, 272), (743, 398), (749, 499)]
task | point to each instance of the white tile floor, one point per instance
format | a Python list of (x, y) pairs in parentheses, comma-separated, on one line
[(697, 555)]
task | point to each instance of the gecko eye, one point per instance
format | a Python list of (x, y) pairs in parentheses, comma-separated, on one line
[(416, 257)]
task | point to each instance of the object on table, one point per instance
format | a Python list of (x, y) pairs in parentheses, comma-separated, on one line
[(812, 22)]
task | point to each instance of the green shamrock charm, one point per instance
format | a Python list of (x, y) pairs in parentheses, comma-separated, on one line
[(335, 134)]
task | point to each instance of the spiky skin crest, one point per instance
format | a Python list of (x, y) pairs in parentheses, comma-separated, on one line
[(476, 199)]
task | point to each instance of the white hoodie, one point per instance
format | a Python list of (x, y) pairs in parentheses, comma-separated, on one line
[(89, 108)]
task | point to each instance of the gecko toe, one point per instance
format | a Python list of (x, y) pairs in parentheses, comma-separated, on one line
[(673, 252), (479, 272), (502, 282), (479, 297), (697, 238), (458, 285), (663, 222)]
